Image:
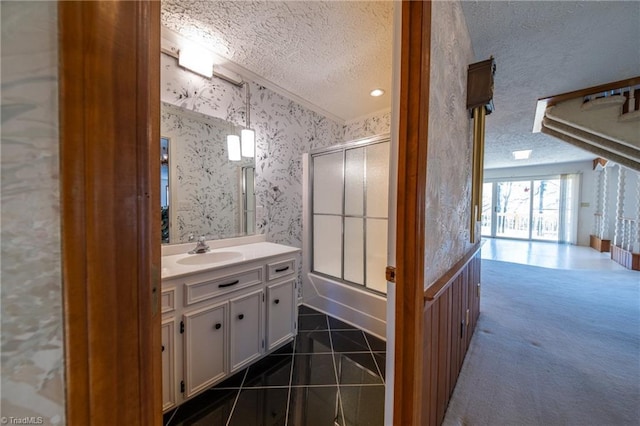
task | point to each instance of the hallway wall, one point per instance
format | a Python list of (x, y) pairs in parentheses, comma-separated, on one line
[(450, 142), (33, 380)]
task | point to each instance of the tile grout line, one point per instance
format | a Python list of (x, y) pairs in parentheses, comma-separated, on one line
[(344, 385), (293, 360), (384, 382), (172, 416), (335, 371), (233, 408)]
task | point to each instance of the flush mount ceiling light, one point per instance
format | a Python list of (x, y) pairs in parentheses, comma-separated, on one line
[(377, 92), (197, 60), (521, 155)]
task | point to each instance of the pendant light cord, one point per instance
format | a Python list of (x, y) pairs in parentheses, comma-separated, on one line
[(247, 121)]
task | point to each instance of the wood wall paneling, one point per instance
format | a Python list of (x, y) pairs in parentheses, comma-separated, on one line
[(447, 336), (109, 118)]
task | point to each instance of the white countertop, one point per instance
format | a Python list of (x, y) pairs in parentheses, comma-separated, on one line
[(172, 266)]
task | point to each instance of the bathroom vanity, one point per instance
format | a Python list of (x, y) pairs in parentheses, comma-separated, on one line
[(223, 310)]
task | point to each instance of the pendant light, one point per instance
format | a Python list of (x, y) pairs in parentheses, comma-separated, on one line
[(233, 148)]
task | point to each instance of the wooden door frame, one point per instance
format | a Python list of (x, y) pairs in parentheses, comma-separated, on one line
[(109, 151), (100, 389), (411, 209)]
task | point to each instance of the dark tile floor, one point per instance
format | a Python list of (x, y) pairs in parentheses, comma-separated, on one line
[(331, 375)]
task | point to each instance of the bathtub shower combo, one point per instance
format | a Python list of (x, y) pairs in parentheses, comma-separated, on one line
[(346, 211)]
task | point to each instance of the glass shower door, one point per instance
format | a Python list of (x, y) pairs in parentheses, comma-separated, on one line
[(327, 213), (350, 214), (376, 215)]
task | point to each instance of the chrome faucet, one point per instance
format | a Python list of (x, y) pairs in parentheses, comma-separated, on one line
[(200, 247)]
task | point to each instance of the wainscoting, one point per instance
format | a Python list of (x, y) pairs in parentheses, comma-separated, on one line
[(626, 258), (452, 307)]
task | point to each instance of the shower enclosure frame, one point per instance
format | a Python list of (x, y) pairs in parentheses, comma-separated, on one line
[(344, 147)]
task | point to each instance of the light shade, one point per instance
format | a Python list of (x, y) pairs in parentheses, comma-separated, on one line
[(377, 92), (233, 148), (248, 142), (197, 60)]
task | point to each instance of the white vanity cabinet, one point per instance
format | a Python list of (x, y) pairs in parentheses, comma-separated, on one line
[(222, 320), (281, 302), (168, 332), (168, 364), (205, 339), (281, 313), (246, 324)]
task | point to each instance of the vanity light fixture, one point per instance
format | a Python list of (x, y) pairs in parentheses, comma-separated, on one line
[(376, 92), (233, 148), (521, 155), (197, 60), (248, 138)]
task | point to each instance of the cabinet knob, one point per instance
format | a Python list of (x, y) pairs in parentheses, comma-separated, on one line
[(241, 316), (162, 348), (276, 301), (218, 325)]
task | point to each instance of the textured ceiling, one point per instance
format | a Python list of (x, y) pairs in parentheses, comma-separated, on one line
[(543, 49), (333, 53), (329, 53)]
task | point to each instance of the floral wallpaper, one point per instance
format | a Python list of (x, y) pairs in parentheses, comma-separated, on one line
[(284, 130), (376, 124), (205, 187), (450, 142), (33, 379)]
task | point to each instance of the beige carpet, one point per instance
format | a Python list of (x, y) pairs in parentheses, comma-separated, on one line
[(552, 347)]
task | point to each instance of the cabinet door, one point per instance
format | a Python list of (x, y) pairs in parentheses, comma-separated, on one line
[(168, 363), (280, 313), (246, 325), (205, 348)]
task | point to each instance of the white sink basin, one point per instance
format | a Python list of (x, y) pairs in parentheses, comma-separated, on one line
[(209, 258)]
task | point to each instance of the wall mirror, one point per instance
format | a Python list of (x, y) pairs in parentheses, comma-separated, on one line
[(207, 187)]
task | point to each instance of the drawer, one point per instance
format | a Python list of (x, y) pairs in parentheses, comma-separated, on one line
[(281, 269), (168, 300), (195, 292)]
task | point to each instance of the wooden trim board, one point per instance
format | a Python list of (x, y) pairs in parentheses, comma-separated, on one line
[(412, 167), (109, 133)]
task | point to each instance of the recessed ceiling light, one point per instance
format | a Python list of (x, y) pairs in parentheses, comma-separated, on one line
[(521, 155), (377, 92)]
